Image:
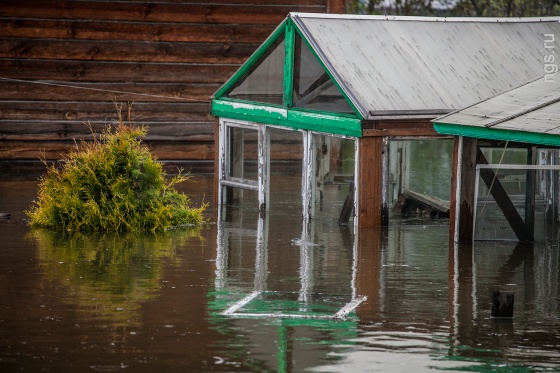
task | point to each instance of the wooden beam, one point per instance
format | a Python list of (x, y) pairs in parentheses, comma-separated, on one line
[(108, 91), (397, 123), (36, 150), (402, 132), (65, 111), (154, 12), (70, 71), (461, 211), (140, 51), (432, 202), (370, 204), (141, 31)]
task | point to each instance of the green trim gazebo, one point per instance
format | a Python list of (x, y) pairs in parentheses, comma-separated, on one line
[(366, 80)]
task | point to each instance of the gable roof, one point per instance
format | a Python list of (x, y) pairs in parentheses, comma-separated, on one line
[(529, 113), (399, 66), (415, 64)]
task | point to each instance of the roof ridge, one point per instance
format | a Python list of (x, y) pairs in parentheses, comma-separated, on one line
[(425, 19)]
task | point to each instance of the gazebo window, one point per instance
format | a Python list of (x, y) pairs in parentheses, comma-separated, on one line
[(412, 165), (264, 81), (331, 174), (240, 166), (313, 87)]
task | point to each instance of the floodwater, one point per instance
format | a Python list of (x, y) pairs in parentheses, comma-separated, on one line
[(244, 294)]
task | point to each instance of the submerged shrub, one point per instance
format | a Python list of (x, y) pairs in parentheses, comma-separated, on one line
[(112, 184)]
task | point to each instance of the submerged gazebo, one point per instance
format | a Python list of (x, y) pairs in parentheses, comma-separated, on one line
[(508, 148), (347, 85)]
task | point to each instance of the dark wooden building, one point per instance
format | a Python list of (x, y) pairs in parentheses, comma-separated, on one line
[(66, 63)]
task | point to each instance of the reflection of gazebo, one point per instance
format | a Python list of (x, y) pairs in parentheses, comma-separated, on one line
[(295, 304), (349, 84)]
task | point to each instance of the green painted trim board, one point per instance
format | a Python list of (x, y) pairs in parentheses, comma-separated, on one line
[(294, 119), (497, 134)]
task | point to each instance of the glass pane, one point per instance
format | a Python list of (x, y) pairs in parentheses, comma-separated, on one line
[(420, 170), (510, 187), (525, 190), (286, 153), (334, 176), (242, 158), (265, 81), (505, 155), (313, 88), (491, 223)]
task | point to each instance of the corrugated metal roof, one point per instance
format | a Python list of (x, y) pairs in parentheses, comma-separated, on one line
[(531, 108), (418, 64)]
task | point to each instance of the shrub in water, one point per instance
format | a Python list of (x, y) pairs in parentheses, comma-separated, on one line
[(112, 184)]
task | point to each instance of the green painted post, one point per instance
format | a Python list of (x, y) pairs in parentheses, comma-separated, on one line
[(289, 42)]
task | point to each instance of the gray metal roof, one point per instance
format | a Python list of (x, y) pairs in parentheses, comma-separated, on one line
[(406, 65), (534, 107)]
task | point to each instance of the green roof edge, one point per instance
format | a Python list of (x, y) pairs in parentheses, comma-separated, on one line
[(497, 134), (294, 119)]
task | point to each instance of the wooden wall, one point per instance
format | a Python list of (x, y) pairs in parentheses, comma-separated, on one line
[(64, 63)]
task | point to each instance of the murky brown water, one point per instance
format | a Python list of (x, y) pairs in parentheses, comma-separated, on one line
[(143, 304)]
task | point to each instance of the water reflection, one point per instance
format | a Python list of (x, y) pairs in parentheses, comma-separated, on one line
[(424, 301), (160, 300), (279, 290), (108, 277)]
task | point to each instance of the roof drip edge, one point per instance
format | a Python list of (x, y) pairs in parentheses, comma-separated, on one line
[(426, 19)]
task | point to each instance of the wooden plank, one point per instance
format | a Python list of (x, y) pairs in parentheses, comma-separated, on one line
[(35, 150), (141, 31), (71, 71), (140, 51), (505, 204), (32, 169), (431, 201), (55, 131), (107, 92), (243, 2), (369, 182), (402, 132), (153, 12), (177, 150), (348, 206), (390, 124), (63, 111)]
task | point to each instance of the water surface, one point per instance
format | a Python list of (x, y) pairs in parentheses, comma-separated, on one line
[(156, 303)]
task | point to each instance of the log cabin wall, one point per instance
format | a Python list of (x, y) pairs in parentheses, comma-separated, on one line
[(66, 63)]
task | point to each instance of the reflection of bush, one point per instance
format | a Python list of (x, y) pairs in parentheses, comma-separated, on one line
[(108, 276)]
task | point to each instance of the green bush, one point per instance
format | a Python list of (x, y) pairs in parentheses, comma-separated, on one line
[(112, 184)]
